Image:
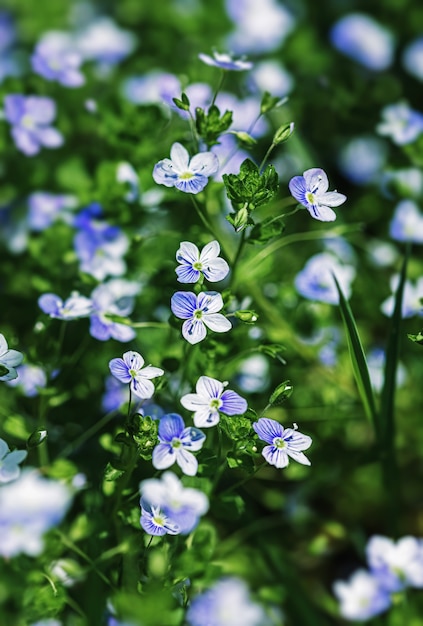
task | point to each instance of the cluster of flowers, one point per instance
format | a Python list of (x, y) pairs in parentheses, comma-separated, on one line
[(393, 567)]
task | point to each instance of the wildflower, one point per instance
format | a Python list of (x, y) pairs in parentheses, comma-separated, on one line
[(407, 223), (155, 87), (316, 282), (116, 297), (193, 264), (9, 359), (29, 507), (362, 597), (55, 58), (189, 176), (31, 378), (45, 208), (74, 307), (362, 158), (363, 39), (401, 123), (127, 175), (396, 564), (9, 462), (199, 311), (311, 191), (103, 41), (226, 603), (412, 299), (210, 400), (30, 117), (225, 62), (176, 444), (129, 369), (412, 58), (284, 443), (155, 522), (182, 506)]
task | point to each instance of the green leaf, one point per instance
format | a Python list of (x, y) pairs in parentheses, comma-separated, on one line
[(266, 230), (247, 316), (417, 338), (211, 125), (250, 188), (36, 438), (283, 133), (269, 102), (358, 360), (281, 393)]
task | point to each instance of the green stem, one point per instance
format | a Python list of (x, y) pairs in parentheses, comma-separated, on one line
[(85, 436), (238, 254), (148, 325), (266, 156), (69, 544), (203, 217), (219, 86)]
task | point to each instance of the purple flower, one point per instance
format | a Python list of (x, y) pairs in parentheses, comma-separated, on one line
[(9, 360), (316, 282), (102, 40), (284, 443), (225, 62), (311, 190), (9, 462), (31, 378), (362, 597), (75, 307), (193, 264), (176, 444), (396, 565), (189, 176), (363, 39), (411, 299), (412, 58), (30, 117), (401, 123), (227, 603), (182, 506), (199, 311), (45, 207), (407, 223), (116, 297), (155, 87), (155, 522), (129, 369), (210, 400), (55, 58)]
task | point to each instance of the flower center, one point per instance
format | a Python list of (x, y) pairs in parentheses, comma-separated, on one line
[(216, 403), (186, 176), (176, 443), (133, 373), (310, 197), (197, 266), (159, 520), (198, 314), (279, 443), (27, 121)]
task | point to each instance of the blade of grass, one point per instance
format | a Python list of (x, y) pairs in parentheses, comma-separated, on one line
[(358, 360)]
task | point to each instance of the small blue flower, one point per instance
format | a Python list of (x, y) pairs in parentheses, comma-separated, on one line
[(316, 282), (411, 299), (31, 378), (115, 297), (176, 444), (199, 312), (225, 62), (129, 369), (189, 176), (284, 443), (44, 208), (311, 190), (9, 462), (31, 118), (9, 360), (212, 399), (412, 58), (56, 59), (396, 565), (181, 506), (401, 123), (362, 597), (407, 223), (363, 39), (74, 307), (193, 264)]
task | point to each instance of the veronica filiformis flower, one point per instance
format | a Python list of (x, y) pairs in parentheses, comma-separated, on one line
[(311, 190), (283, 443), (189, 176), (199, 312), (192, 263), (212, 399), (130, 369), (177, 444), (9, 360)]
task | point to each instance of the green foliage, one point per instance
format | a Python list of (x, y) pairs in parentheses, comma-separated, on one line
[(210, 125)]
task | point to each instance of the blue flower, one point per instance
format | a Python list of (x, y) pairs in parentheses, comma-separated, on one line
[(227, 603), (225, 62), (181, 506), (116, 297), (9, 360), (190, 176), (103, 41), (316, 282), (284, 443), (362, 597), (199, 311), (176, 444), (396, 565), (9, 462), (31, 378), (210, 400), (129, 369), (193, 264), (31, 118), (412, 58), (74, 307), (363, 39), (401, 123), (45, 208), (311, 190), (56, 59), (407, 223), (411, 299)]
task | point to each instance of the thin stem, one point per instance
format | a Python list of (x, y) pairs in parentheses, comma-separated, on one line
[(282, 215), (203, 218), (69, 544), (193, 131), (266, 156), (238, 253), (219, 86), (88, 434), (148, 325)]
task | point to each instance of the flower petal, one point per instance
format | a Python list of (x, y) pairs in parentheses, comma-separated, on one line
[(180, 158), (164, 174), (296, 440), (133, 360), (186, 274), (322, 213), (297, 187), (163, 456), (204, 163), (194, 331), (217, 322), (170, 426), (142, 387), (150, 372), (192, 438), (331, 198), (275, 456), (233, 404), (50, 303), (4, 449), (210, 252), (119, 370), (209, 388), (12, 358), (193, 402), (297, 456), (210, 301), (206, 417), (187, 253), (187, 462), (215, 270), (183, 304), (316, 180), (267, 429), (195, 184)]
